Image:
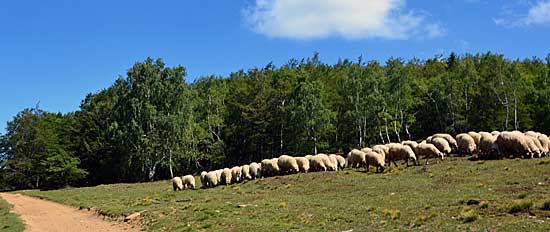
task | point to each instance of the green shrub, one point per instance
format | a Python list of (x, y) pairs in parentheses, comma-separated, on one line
[(519, 206)]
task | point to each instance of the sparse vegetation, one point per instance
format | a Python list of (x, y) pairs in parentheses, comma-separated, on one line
[(9, 222), (519, 206), (408, 199)]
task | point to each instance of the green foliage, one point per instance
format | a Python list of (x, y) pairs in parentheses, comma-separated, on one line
[(151, 124), (519, 206)]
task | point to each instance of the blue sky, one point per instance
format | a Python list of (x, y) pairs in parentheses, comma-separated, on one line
[(56, 52)]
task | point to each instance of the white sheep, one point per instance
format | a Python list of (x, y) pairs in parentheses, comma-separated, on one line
[(545, 142), (452, 142), (236, 173), (427, 151), (211, 179), (409, 143), (441, 144), (328, 163), (476, 136), (203, 178), (255, 170), (316, 164), (340, 160), (375, 159), (381, 149), (287, 164), (365, 149), (303, 164), (219, 175), (356, 158), (466, 144), (177, 183), (487, 144), (270, 167), (400, 152), (245, 174), (514, 144), (226, 176), (188, 182)]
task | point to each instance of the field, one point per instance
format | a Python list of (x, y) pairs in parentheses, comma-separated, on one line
[(9, 222), (455, 195)]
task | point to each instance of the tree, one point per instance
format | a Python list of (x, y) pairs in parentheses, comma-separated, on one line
[(311, 119), (36, 153), (154, 116)]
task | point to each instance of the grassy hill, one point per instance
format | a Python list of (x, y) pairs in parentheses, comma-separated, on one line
[(511, 196)]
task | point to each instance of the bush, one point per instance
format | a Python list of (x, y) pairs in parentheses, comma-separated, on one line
[(469, 215), (519, 206)]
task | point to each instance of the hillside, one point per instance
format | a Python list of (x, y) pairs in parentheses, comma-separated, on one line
[(431, 198)]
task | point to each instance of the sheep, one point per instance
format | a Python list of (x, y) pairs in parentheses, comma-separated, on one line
[(427, 151), (287, 164), (452, 142), (466, 144), (333, 158), (211, 179), (487, 145), (177, 183), (400, 152), (340, 160), (513, 143), (236, 173), (476, 136), (356, 158), (203, 178), (409, 143), (534, 145), (441, 144), (245, 173), (328, 163), (532, 134), (316, 164), (535, 137), (303, 164), (381, 149), (374, 159), (270, 167), (255, 170), (226, 176), (219, 175), (188, 182), (365, 149), (495, 133), (545, 142)]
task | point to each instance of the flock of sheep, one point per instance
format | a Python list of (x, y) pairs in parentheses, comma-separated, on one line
[(494, 145)]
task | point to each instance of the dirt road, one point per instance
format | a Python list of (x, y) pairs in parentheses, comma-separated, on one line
[(42, 215)]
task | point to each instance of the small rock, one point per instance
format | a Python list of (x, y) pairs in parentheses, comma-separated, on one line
[(472, 202), (132, 216)]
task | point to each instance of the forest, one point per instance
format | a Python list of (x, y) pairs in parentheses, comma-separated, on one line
[(150, 124)]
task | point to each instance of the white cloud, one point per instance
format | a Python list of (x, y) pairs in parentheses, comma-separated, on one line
[(351, 19), (538, 14)]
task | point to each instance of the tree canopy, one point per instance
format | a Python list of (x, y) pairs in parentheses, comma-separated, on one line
[(151, 124)]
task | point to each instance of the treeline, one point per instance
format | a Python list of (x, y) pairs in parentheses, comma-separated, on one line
[(151, 124)]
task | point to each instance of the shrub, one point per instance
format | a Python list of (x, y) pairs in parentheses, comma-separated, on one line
[(519, 206)]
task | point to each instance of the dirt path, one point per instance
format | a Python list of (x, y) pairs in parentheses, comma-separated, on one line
[(42, 215)]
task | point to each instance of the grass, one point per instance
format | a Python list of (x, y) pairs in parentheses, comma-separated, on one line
[(429, 198), (9, 222)]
